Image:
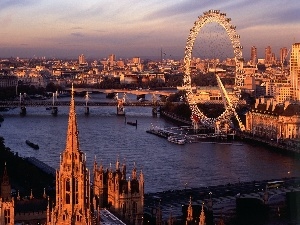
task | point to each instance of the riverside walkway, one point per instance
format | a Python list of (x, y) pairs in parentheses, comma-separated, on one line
[(285, 146), (220, 199)]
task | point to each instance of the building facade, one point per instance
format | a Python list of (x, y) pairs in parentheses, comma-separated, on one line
[(295, 71), (7, 207), (17, 210), (273, 121), (268, 55), (8, 81), (81, 59), (123, 197), (283, 54), (253, 55)]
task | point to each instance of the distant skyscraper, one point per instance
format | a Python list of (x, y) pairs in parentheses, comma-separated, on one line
[(253, 58), (295, 71), (111, 61), (283, 54), (81, 59), (268, 55), (136, 60), (112, 58)]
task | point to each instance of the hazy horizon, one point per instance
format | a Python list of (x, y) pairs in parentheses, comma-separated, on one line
[(66, 29)]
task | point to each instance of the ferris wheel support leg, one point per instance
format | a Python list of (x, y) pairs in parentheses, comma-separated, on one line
[(228, 103)]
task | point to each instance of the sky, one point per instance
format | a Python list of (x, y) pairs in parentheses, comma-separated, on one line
[(137, 28)]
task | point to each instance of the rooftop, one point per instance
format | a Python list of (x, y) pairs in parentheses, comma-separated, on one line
[(107, 218)]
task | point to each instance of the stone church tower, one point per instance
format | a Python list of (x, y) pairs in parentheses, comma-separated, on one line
[(7, 214), (72, 181)]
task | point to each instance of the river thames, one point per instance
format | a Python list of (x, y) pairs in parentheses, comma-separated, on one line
[(166, 166)]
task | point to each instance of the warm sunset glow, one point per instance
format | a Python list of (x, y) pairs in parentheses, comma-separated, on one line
[(127, 28)]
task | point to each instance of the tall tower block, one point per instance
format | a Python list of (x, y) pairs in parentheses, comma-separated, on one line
[(81, 59), (295, 71), (268, 55), (253, 55)]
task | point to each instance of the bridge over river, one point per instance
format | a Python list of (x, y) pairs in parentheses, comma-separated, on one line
[(42, 103), (127, 91)]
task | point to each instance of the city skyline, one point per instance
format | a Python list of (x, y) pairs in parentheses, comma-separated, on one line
[(135, 28)]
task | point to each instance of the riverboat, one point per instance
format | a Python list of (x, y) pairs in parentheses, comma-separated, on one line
[(32, 145)]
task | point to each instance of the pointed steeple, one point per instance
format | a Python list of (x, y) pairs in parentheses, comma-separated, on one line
[(202, 216), (134, 177), (44, 195), (5, 186), (18, 196), (190, 211), (72, 144), (95, 165), (118, 164), (5, 179)]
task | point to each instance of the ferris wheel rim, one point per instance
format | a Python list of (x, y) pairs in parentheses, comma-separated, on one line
[(221, 19)]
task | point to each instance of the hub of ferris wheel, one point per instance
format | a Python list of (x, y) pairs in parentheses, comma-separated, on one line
[(230, 104)]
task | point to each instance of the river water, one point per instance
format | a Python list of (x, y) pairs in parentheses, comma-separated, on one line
[(166, 166)]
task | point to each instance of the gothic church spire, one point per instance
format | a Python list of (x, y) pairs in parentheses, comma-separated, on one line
[(72, 144)]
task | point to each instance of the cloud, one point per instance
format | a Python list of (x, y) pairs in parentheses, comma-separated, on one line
[(77, 34), (264, 13), (5, 4), (178, 8), (76, 28)]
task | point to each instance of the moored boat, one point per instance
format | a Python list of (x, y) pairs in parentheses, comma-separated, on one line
[(176, 140), (32, 145)]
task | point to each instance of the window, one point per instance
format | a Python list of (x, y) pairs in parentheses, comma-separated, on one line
[(7, 216), (68, 189), (124, 208), (134, 207), (68, 199), (75, 190)]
